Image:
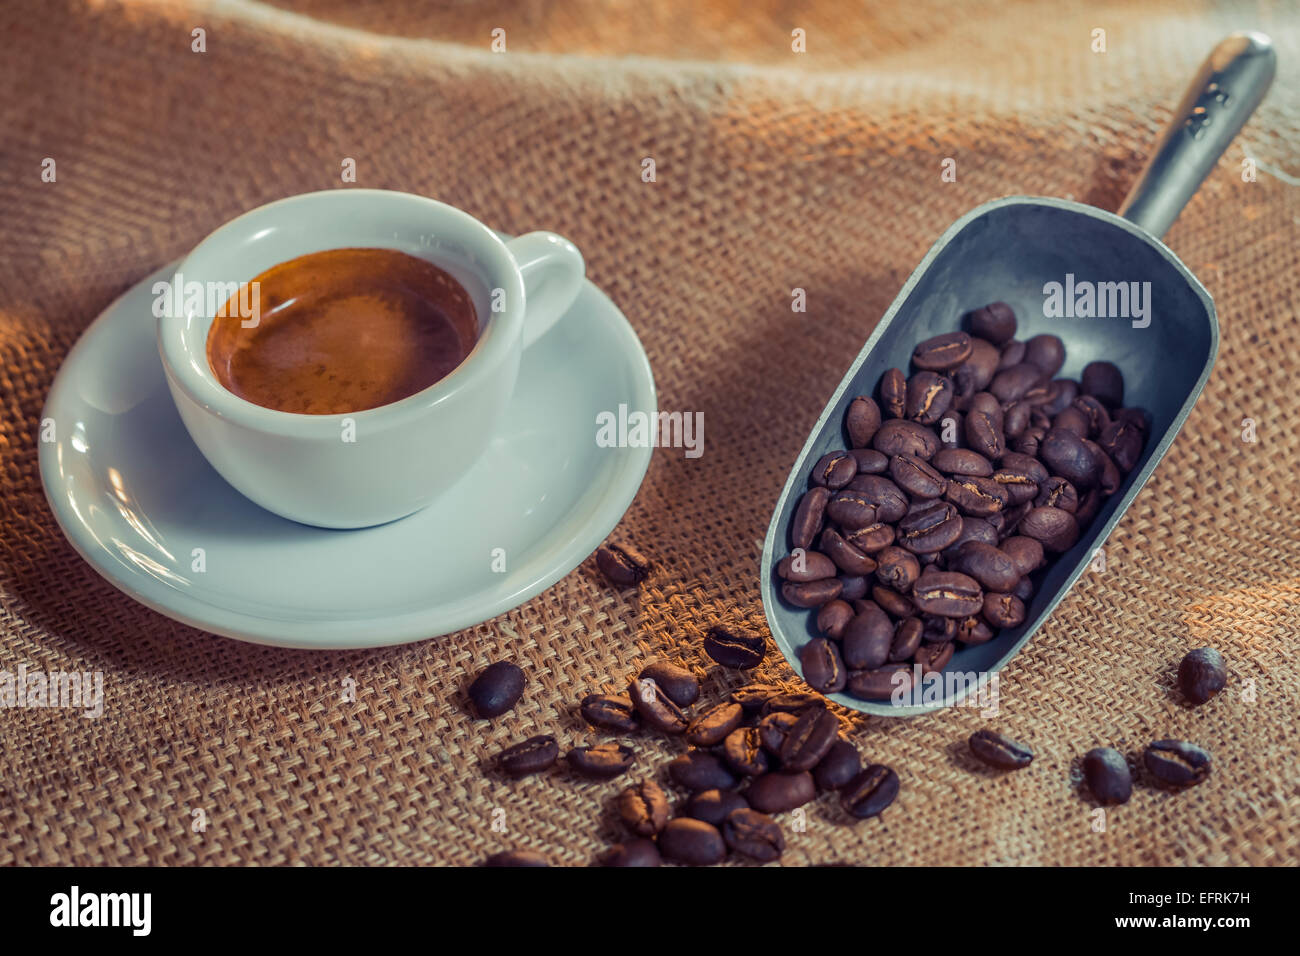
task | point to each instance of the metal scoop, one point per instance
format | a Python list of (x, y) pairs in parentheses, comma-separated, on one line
[(1008, 250)]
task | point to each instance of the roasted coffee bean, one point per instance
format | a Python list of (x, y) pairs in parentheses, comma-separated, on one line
[(853, 587), (1176, 762), (1123, 441), (932, 527), (809, 739), (632, 853), (990, 566), (754, 834), (1024, 589), (897, 568), (1061, 394), (1016, 419), (532, 756), (1026, 554), (929, 395), (973, 630), (1089, 505), (870, 792), (609, 711), (1137, 417), (1013, 353), (984, 434), (932, 658), (867, 638), (916, 477), (995, 322), (893, 393), (752, 697), (1202, 674), (1071, 420), (601, 761), (1057, 493), (1027, 444), (1054, 529), (700, 770), (744, 753), (1020, 475), (942, 352), (714, 806), (736, 647), (987, 403), (948, 594), (1046, 352), (1108, 476), (681, 686), (840, 765), (1105, 382), (655, 707), (862, 420), (882, 494), (851, 509), (781, 791), (497, 688), (1003, 610), (1095, 413), (847, 558), (1011, 384), (693, 842), (1107, 774), (834, 470), (898, 436), (977, 497), (892, 602), (517, 858), (808, 517), (962, 462), (979, 369), (972, 529), (791, 702), (938, 630), (907, 638), (999, 751), (643, 808), (622, 564), (872, 538), (806, 566), (772, 729), (881, 683), (822, 666), (832, 617), (812, 593), (870, 461), (714, 725)]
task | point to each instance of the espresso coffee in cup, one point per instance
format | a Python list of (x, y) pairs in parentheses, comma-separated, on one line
[(344, 330)]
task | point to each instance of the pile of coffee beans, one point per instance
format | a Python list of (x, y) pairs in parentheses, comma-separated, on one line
[(932, 528)]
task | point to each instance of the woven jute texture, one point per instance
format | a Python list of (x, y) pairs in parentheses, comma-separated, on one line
[(775, 170)]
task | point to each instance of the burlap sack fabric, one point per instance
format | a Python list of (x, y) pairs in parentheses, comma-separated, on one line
[(774, 170)]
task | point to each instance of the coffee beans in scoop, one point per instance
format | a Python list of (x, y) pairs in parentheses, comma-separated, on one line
[(960, 483)]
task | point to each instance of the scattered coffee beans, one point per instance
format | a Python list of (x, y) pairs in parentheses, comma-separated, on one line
[(735, 647), (517, 858), (1176, 762), (532, 756), (496, 689), (692, 842), (870, 792), (753, 834), (954, 485), (999, 751), (609, 711), (1107, 774), (622, 564), (644, 808), (714, 806), (601, 761), (1202, 674), (632, 853)]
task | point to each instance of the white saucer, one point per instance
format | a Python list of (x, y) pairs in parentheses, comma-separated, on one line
[(136, 498)]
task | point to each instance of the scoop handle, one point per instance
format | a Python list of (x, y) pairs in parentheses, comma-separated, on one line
[(1229, 85)]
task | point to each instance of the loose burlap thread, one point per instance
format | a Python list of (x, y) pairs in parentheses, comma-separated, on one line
[(774, 171)]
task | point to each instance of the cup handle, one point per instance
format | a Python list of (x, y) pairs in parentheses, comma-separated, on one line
[(553, 271)]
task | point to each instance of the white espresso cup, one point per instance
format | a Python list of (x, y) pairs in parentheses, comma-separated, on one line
[(367, 467)]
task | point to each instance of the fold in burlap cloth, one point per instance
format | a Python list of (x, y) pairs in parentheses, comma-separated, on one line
[(774, 170)]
